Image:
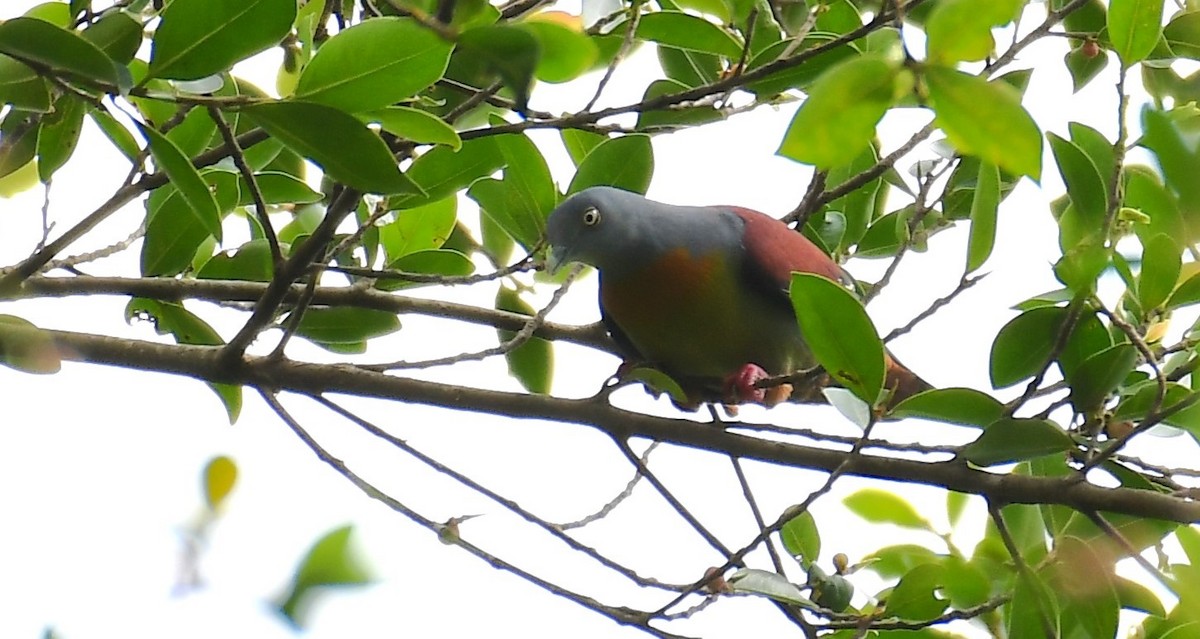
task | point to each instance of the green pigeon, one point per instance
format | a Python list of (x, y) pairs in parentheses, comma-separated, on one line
[(699, 292)]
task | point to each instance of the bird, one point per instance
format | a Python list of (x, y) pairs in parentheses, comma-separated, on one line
[(700, 293)]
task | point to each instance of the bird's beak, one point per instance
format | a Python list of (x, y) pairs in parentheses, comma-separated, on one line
[(556, 257)]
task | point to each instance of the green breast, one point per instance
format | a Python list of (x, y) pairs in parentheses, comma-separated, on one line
[(693, 318)]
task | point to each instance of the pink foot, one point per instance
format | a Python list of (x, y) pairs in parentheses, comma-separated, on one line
[(740, 388)]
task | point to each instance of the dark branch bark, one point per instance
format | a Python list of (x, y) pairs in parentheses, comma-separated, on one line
[(203, 363)]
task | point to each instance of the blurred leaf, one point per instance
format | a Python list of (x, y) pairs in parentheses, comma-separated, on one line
[(839, 332), (1182, 34), (961, 30), (580, 143), (531, 363), (60, 50), (965, 583), (18, 142), (373, 65), (1135, 596), (625, 162), (344, 147), (686, 69), (1134, 27), (26, 347), (916, 597), (797, 76), (197, 38), (1187, 294), (510, 52), (956, 503), (22, 88), (986, 119), (657, 383), (837, 121), (250, 262), (882, 507), (983, 216), (1084, 63), (332, 561), (1011, 440), (429, 262), (1160, 271), (220, 474), (801, 538), (964, 406), (117, 34), (567, 53)]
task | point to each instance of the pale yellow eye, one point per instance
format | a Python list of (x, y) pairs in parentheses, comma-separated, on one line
[(591, 216)]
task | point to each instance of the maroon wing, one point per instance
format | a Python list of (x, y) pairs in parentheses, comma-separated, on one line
[(774, 251)]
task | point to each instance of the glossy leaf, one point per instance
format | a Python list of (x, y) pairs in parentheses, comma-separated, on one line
[(186, 179), (768, 584), (837, 121), (1134, 27), (343, 147), (986, 119), (442, 172), (374, 64), (964, 406), (626, 162), (685, 31), (510, 52), (61, 50), (531, 363), (418, 229), (984, 207), (415, 125), (839, 332), (1160, 271), (883, 507), (801, 537), (1011, 440), (197, 38), (580, 143), (1084, 183), (1024, 344)]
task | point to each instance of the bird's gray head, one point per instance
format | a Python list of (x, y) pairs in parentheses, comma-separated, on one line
[(594, 225)]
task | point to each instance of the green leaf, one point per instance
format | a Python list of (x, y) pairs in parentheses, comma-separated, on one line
[(984, 206), (374, 64), (510, 52), (966, 584), (251, 262), (837, 121), (768, 584), (442, 172), (985, 119), (194, 133), (688, 69), (1135, 596), (1137, 406), (431, 262), (801, 537), (797, 76), (59, 135), (830, 591), (117, 34), (277, 188), (116, 132), (345, 325), (197, 38), (173, 232), (685, 31), (418, 229), (1099, 375), (22, 88), (1088, 338), (961, 30), (892, 562), (1084, 63), (580, 143), (26, 347), (964, 406), (1134, 27), (626, 162), (882, 507), (343, 147), (220, 474), (1024, 344), (956, 503), (1182, 34), (651, 119), (657, 383), (1011, 440), (19, 130), (61, 50), (531, 363), (1187, 294), (566, 52), (840, 334), (916, 597), (332, 561), (186, 179), (1160, 271), (415, 125), (1085, 186)]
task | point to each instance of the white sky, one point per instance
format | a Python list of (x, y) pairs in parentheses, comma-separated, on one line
[(101, 466)]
